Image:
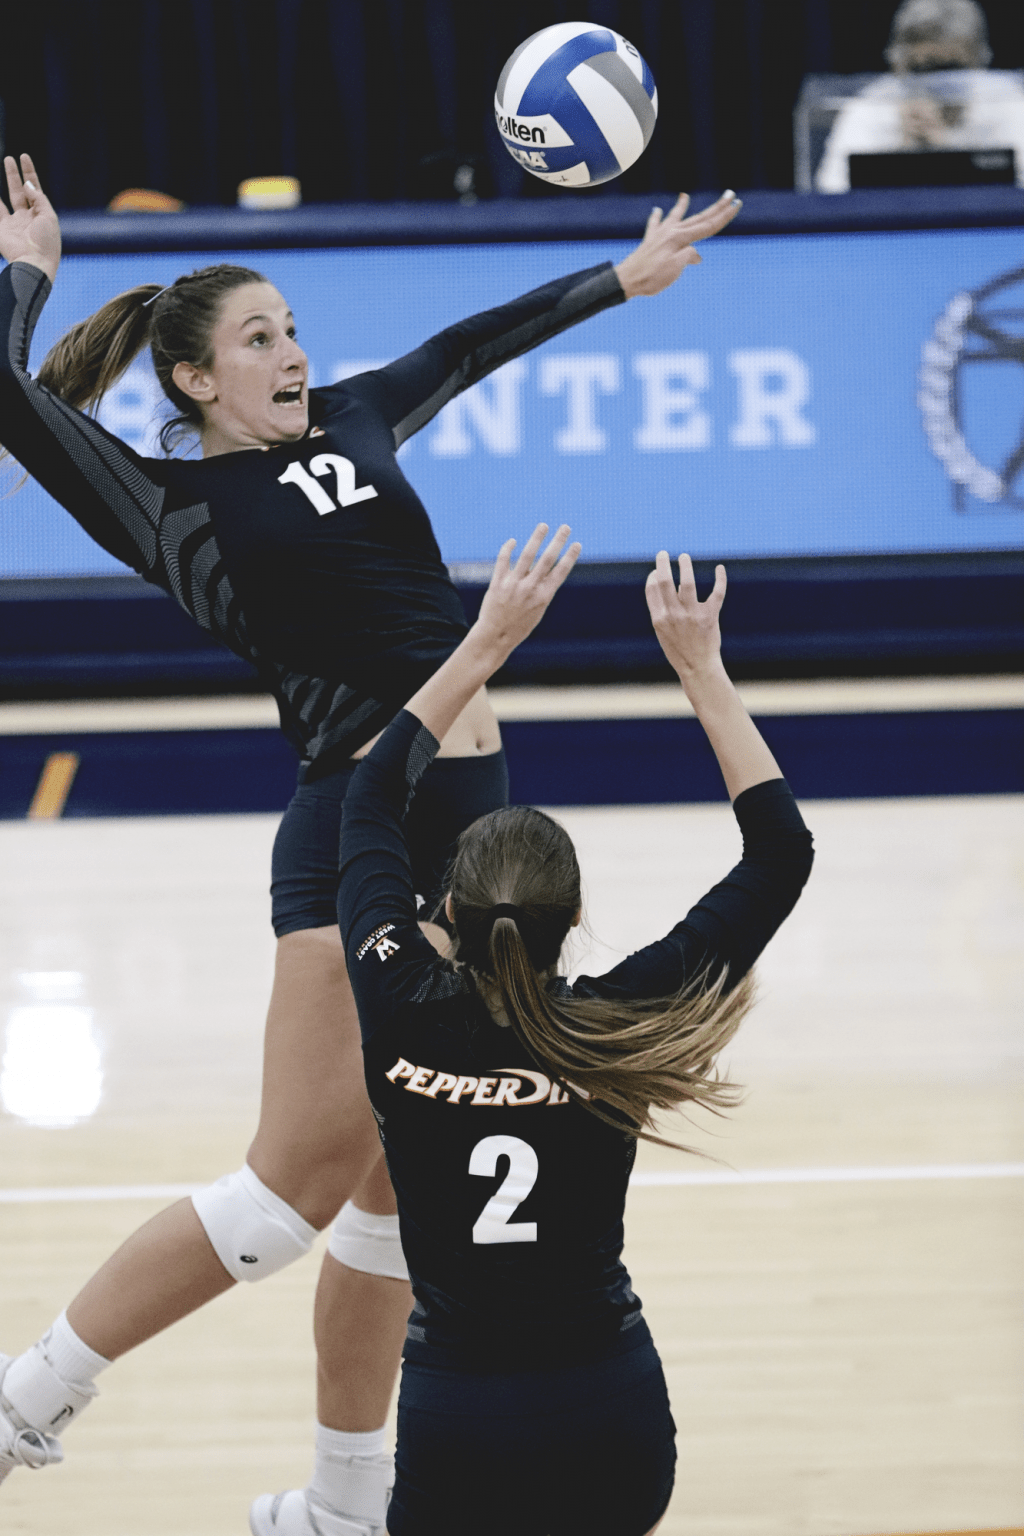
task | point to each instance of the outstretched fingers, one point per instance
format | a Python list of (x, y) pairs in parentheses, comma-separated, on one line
[(532, 563), (563, 558), (548, 571), (717, 597), (533, 569), (30, 232), (663, 593), (504, 560), (15, 186), (687, 590), (660, 587), (529, 551), (30, 177), (713, 218), (23, 188), (677, 212), (550, 556), (518, 595)]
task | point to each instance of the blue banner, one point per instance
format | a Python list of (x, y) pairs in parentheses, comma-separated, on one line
[(794, 395)]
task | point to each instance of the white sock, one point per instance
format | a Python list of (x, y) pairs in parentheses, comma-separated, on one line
[(329, 1484), (73, 1360), (52, 1383)]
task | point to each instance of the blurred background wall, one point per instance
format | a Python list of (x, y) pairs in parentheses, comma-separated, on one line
[(859, 462), (367, 101)]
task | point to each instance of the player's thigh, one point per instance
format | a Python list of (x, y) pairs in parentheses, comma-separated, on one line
[(312, 1060), (317, 1140), (312, 1053)]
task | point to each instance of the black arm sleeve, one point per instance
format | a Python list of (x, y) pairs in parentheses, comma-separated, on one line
[(94, 476), (731, 925), (410, 391), (390, 961)]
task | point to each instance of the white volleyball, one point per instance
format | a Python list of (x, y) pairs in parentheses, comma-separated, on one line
[(576, 104)]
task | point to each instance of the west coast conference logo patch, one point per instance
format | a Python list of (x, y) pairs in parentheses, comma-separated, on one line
[(379, 943), (971, 393)]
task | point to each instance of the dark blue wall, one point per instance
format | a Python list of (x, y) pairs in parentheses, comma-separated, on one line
[(787, 618), (356, 96), (551, 762)]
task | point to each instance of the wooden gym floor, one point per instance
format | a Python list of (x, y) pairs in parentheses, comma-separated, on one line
[(840, 1315)]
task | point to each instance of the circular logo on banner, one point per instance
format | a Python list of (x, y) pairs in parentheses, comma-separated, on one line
[(982, 451)]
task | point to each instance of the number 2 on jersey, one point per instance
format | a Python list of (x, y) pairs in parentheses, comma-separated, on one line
[(493, 1224), (344, 477)]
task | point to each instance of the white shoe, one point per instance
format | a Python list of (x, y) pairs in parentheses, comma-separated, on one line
[(292, 1514), (20, 1445)]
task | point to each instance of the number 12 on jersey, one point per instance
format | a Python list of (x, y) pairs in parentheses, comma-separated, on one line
[(493, 1224), (344, 478)]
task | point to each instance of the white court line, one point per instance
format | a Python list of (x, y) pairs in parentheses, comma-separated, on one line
[(75, 1193), (663, 1176), (654, 1178), (818, 696)]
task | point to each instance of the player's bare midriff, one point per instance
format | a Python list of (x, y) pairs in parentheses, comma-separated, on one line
[(474, 734)]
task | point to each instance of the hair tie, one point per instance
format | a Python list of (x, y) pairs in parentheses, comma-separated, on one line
[(147, 302), (506, 909)]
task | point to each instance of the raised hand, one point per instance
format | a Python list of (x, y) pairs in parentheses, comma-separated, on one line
[(513, 605), (687, 630), (689, 636), (30, 232), (518, 596), (667, 246)]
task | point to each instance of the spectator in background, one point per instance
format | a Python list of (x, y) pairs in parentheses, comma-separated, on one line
[(940, 94)]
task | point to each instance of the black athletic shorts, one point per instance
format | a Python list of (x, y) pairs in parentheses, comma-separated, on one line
[(583, 1450), (452, 794)]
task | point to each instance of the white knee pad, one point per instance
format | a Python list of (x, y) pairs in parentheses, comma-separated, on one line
[(369, 1243), (253, 1232)]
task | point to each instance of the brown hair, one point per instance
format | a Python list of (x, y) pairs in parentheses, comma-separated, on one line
[(176, 323), (631, 1057)]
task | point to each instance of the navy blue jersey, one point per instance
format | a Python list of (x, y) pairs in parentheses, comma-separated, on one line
[(510, 1192), (314, 560)]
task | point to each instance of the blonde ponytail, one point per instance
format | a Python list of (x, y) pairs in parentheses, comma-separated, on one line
[(631, 1058), (91, 357)]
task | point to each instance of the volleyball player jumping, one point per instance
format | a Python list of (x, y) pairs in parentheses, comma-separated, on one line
[(532, 1400), (296, 541)]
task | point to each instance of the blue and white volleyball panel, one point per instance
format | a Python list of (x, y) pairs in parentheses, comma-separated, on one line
[(576, 104)]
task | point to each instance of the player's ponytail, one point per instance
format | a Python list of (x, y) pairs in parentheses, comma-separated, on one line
[(515, 888), (91, 357), (176, 322)]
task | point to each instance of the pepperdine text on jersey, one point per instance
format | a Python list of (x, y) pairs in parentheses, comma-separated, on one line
[(485, 1090)]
